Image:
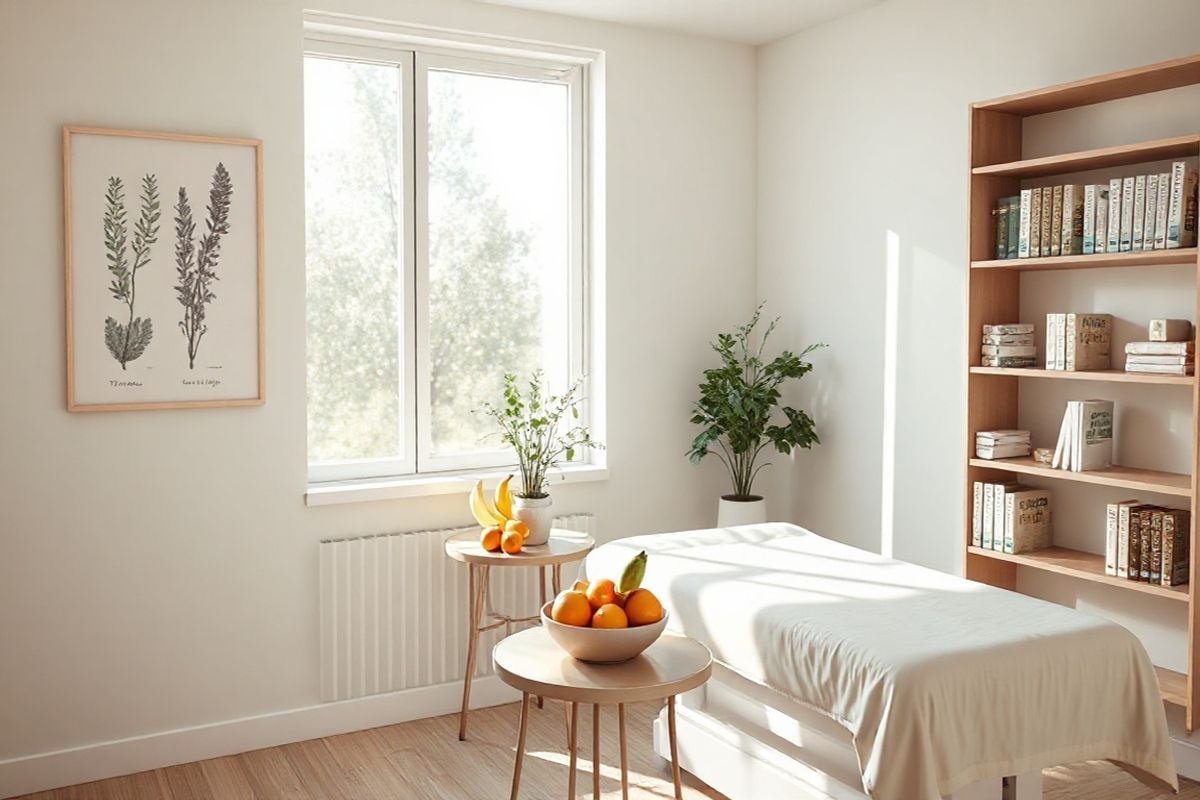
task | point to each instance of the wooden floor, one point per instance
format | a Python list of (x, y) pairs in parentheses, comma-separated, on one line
[(424, 760)]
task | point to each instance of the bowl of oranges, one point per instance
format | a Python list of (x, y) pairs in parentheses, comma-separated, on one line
[(605, 621)]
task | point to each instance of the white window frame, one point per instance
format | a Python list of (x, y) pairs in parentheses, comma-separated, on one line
[(415, 51)]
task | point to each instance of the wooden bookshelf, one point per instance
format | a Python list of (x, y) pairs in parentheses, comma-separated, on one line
[(998, 168)]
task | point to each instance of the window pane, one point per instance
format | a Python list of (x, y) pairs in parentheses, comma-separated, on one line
[(353, 196), (499, 239)]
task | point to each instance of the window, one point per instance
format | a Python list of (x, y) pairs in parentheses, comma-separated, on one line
[(445, 219)]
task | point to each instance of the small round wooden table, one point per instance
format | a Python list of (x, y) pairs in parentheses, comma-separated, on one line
[(562, 548), (532, 662)]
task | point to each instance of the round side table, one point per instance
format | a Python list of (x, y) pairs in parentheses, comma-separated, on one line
[(562, 548), (532, 662)]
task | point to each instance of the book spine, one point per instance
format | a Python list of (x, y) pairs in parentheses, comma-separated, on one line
[(1139, 212), (1089, 219), (1048, 217), (998, 508), (1110, 539), (1127, 214), (1072, 336), (1014, 225), (1151, 211), (1025, 212), (1135, 545), (1101, 218), (989, 514), (1051, 340), (1056, 220), (1035, 224), (1010, 522), (1123, 541), (1144, 528), (1114, 215), (1164, 205), (977, 515), (1156, 524), (1072, 221), (1001, 215)]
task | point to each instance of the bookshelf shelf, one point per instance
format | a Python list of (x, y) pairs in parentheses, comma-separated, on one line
[(1142, 258), (1108, 375), (1081, 565), (1140, 480), (997, 168), (1105, 157)]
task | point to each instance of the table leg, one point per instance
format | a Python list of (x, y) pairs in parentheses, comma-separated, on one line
[(557, 579), (595, 751), (541, 605), (572, 730), (516, 786), (478, 589), (624, 761), (674, 747)]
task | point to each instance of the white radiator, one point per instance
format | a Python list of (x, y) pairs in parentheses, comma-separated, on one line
[(394, 610)]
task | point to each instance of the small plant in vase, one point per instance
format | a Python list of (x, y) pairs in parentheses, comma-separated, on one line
[(544, 431), (737, 401)]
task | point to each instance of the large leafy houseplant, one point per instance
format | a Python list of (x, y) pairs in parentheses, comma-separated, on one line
[(531, 422), (738, 400)]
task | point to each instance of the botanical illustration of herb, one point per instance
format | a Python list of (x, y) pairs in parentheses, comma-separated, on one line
[(127, 342), (197, 267)]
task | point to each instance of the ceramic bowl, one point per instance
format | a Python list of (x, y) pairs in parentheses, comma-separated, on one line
[(602, 645)]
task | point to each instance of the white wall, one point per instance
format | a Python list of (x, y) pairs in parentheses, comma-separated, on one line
[(158, 570)]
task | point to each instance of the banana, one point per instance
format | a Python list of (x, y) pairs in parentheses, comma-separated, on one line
[(484, 514), (635, 570), (503, 502)]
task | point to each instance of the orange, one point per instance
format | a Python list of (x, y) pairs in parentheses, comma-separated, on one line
[(490, 539), (601, 593), (510, 542), (518, 526), (580, 586), (642, 607), (610, 615), (571, 608)]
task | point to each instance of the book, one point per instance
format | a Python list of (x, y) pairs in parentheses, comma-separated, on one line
[(1163, 369), (992, 452), (1126, 231), (1101, 218), (1111, 516), (977, 514), (1088, 339), (1114, 215), (1190, 358), (1062, 451), (1014, 225), (1005, 436), (1156, 523), (1027, 520), (1170, 330), (1001, 215), (1122, 555), (1094, 435), (1145, 518), (1181, 214), (1151, 213), (1060, 341), (1160, 215), (1056, 219), (989, 515), (1159, 348), (1072, 220), (1133, 564), (1035, 224), (1051, 341), (999, 508), (1048, 218), (1089, 218), (1175, 549), (1009, 350), (1008, 338), (1009, 361), (1139, 212), (1025, 219), (1008, 329)]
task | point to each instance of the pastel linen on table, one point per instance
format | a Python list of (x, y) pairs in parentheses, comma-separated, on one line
[(941, 681)]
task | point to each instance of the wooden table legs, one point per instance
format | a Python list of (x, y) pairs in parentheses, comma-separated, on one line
[(516, 786), (596, 751), (477, 594), (674, 746), (571, 744), (624, 761)]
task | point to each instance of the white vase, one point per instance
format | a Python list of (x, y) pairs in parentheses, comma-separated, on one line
[(537, 514), (741, 512)]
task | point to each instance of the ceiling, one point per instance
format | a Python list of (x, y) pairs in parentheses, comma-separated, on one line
[(749, 21)]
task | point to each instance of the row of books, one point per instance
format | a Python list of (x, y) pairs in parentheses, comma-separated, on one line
[(1009, 345), (1085, 438), (1010, 518), (1078, 341), (1147, 543), (1163, 358), (1140, 212)]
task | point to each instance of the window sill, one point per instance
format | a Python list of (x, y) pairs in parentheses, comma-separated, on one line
[(367, 490)]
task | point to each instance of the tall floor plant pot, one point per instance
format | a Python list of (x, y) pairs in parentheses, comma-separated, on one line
[(536, 512), (733, 511)]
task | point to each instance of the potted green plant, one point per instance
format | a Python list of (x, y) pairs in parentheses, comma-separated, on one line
[(532, 423), (736, 405)]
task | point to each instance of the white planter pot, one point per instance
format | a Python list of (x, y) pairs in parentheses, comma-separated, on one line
[(536, 512), (741, 512)]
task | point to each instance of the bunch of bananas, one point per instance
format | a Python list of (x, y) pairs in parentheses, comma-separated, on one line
[(501, 530)]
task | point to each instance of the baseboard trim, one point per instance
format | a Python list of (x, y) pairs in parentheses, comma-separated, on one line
[(42, 771)]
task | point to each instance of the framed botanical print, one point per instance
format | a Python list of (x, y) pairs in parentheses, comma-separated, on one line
[(164, 270)]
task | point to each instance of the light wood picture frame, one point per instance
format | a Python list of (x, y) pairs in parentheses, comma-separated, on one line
[(163, 251)]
